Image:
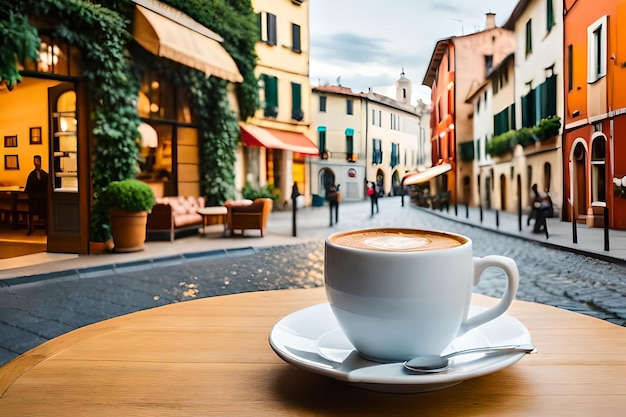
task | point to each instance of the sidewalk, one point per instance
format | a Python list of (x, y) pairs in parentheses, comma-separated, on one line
[(590, 241), (311, 225)]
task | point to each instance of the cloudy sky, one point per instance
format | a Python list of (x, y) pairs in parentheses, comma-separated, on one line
[(368, 42)]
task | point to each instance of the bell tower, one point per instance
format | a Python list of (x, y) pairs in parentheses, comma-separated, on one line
[(403, 89)]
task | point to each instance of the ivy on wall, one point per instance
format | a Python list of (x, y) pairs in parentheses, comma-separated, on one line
[(101, 33)]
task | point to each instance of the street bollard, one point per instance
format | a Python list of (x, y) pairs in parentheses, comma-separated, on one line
[(480, 210), (606, 228), (497, 218), (519, 216), (294, 207), (574, 231), (467, 211)]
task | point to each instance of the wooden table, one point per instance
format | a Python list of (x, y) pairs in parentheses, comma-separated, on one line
[(213, 215), (211, 357)]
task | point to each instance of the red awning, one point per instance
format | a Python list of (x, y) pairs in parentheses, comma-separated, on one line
[(277, 139)]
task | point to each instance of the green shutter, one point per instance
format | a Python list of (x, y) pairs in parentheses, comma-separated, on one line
[(296, 98), (551, 96)]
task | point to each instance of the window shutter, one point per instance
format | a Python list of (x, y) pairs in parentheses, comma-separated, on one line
[(271, 29), (295, 37), (296, 102)]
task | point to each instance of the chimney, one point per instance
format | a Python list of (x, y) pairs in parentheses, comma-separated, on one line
[(490, 22)]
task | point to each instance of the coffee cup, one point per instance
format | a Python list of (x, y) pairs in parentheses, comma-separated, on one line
[(403, 293)]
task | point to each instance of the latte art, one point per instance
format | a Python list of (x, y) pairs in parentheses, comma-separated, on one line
[(392, 243), (397, 240)]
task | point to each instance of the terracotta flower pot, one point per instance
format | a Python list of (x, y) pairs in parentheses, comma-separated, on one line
[(128, 230)]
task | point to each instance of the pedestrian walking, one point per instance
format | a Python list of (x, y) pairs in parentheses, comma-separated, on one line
[(373, 195), (333, 195)]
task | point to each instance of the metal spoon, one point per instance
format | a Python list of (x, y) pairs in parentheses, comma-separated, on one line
[(434, 364)]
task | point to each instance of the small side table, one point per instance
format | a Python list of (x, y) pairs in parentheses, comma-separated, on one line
[(213, 215)]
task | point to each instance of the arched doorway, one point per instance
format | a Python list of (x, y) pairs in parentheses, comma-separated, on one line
[(503, 192), (579, 169), (396, 183), (326, 178)]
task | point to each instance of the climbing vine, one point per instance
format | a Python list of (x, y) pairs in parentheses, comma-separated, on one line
[(101, 32)]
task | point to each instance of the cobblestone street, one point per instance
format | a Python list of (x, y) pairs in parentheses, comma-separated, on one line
[(32, 313)]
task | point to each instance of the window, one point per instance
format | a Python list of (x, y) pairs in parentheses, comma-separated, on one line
[(373, 117), (395, 154), (596, 47), (349, 105), (267, 27), (550, 15), (377, 151), (380, 118), (598, 169), (295, 38), (478, 152), (570, 68), (529, 109), (322, 104), (488, 63), (547, 176), (321, 142), (270, 84), (350, 157), (529, 37), (296, 102)]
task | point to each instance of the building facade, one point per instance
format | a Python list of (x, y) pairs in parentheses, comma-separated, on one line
[(366, 137), (51, 112), (275, 146), (538, 27), (594, 149), (457, 65)]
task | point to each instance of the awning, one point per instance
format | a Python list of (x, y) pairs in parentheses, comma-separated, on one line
[(277, 139), (413, 178), (167, 32)]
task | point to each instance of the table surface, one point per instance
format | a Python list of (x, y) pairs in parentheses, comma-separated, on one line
[(212, 210), (211, 357)]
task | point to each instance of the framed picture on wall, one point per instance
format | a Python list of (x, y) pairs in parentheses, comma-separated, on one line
[(10, 141), (35, 135), (11, 162)]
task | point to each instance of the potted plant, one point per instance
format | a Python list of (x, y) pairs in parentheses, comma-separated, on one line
[(128, 203)]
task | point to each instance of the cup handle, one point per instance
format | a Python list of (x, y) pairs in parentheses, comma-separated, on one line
[(512, 274)]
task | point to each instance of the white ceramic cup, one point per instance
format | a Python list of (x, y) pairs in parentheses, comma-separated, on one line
[(397, 297)]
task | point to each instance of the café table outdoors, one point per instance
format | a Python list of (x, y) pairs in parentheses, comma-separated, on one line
[(213, 215), (211, 357)]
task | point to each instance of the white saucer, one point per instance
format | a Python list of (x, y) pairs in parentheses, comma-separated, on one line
[(312, 340)]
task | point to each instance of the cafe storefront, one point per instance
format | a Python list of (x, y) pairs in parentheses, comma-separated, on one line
[(48, 114)]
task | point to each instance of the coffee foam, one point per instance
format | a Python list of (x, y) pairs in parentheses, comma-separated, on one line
[(397, 240)]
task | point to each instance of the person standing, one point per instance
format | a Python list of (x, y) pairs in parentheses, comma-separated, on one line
[(37, 190), (373, 195), (37, 181), (333, 195), (534, 205)]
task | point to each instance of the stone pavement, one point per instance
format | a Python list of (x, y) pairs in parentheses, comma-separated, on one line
[(312, 224)]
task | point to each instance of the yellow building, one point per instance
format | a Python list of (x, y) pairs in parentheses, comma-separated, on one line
[(275, 147)]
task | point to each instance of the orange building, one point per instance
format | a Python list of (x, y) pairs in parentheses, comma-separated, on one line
[(594, 149), (457, 65)]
